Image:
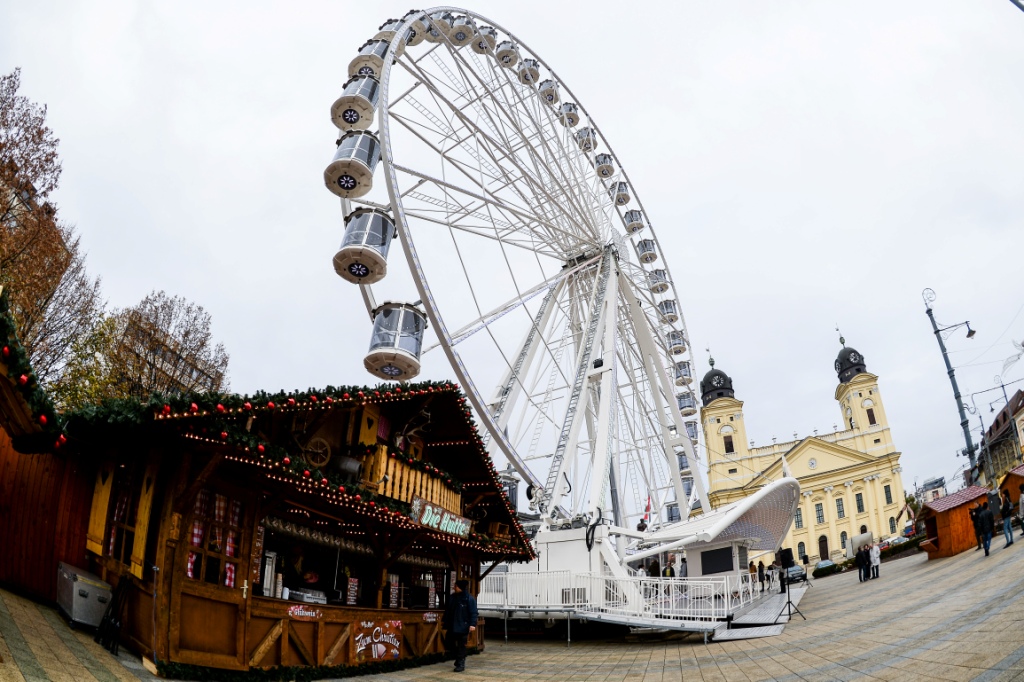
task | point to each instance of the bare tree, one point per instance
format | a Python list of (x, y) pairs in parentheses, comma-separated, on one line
[(165, 344), (54, 301)]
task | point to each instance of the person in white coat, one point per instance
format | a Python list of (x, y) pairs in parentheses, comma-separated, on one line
[(876, 559)]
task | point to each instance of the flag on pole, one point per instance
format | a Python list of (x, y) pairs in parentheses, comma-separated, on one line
[(647, 511)]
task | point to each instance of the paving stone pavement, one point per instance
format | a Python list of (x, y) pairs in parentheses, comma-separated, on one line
[(951, 619)]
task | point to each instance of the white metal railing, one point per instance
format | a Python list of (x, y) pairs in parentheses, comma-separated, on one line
[(654, 600)]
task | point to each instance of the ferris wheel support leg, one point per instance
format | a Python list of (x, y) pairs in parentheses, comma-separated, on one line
[(600, 469), (566, 450), (660, 377)]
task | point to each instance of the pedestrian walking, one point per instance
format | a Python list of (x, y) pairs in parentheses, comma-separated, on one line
[(760, 574), (859, 560), (1006, 511), (460, 618), (987, 522), (682, 568), (976, 520), (876, 559)]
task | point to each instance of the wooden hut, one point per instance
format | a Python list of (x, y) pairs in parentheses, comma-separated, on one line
[(311, 528), (947, 521), (1013, 480)]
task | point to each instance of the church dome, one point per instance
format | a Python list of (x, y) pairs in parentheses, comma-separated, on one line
[(849, 363), (715, 384)]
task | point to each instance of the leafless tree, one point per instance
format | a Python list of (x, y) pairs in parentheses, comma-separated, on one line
[(165, 344)]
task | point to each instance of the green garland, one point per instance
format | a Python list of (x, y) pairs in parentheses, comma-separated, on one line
[(19, 372), (195, 673)]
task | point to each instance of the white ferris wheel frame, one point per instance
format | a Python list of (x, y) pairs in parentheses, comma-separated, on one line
[(674, 435)]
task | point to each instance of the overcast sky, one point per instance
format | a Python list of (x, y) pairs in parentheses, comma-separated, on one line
[(804, 164)]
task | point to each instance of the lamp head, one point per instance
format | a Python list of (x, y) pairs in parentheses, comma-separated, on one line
[(970, 332)]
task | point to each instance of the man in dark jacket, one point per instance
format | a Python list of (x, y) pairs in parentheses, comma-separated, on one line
[(861, 563), (987, 521), (460, 619)]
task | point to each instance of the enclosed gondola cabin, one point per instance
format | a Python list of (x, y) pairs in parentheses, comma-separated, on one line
[(669, 311), (568, 115), (355, 108), (350, 174), (507, 54), (657, 280), (387, 31), (396, 341), (634, 221), (619, 192), (363, 255), (370, 60), (419, 26), (604, 164), (440, 25), (548, 91), (684, 373), (462, 32), (693, 431), (676, 342), (486, 40), (586, 139), (686, 403), (646, 251), (529, 71)]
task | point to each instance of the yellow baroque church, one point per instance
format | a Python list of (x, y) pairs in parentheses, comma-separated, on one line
[(850, 479)]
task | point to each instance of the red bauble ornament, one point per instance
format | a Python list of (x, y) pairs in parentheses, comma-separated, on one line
[(306, 473), (346, 396), (62, 439), (23, 379), (166, 409), (223, 435), (358, 498), (247, 405), (42, 419), (392, 455), (398, 390), (270, 405), (372, 503), (220, 408), (260, 449), (286, 461), (312, 398), (291, 401), (388, 394), (325, 481), (328, 400), (7, 351), (56, 444), (360, 394), (376, 394), (341, 489), (193, 408)]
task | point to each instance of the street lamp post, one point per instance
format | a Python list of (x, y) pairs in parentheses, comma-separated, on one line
[(929, 295)]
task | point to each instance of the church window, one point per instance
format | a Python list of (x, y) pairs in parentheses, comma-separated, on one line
[(801, 550), (840, 512), (878, 440), (851, 422), (892, 525), (871, 417), (819, 512), (718, 420), (799, 521), (729, 449), (860, 503), (870, 392), (863, 529), (733, 471), (842, 539), (888, 494)]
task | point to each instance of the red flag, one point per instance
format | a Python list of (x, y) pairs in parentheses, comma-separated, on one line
[(647, 512)]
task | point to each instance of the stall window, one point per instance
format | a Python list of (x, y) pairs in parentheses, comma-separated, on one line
[(215, 539), (121, 525)]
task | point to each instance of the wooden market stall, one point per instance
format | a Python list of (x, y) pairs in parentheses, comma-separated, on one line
[(1012, 482), (313, 528), (947, 521)]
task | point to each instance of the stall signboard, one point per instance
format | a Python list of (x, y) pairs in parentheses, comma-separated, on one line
[(303, 612), (353, 591), (378, 640), (438, 518)]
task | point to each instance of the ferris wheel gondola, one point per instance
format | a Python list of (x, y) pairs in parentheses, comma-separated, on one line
[(570, 345)]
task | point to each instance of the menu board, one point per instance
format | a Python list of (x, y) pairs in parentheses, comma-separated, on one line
[(353, 591)]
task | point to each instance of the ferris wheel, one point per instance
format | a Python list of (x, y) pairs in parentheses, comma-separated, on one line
[(538, 274)]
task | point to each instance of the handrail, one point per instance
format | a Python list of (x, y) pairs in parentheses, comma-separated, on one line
[(652, 600)]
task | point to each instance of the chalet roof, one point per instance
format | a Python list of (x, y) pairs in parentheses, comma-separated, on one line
[(958, 498)]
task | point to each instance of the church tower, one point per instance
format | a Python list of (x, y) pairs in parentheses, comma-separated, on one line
[(725, 435), (863, 414)]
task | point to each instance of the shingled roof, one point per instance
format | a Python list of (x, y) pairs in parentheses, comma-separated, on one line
[(956, 499)]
